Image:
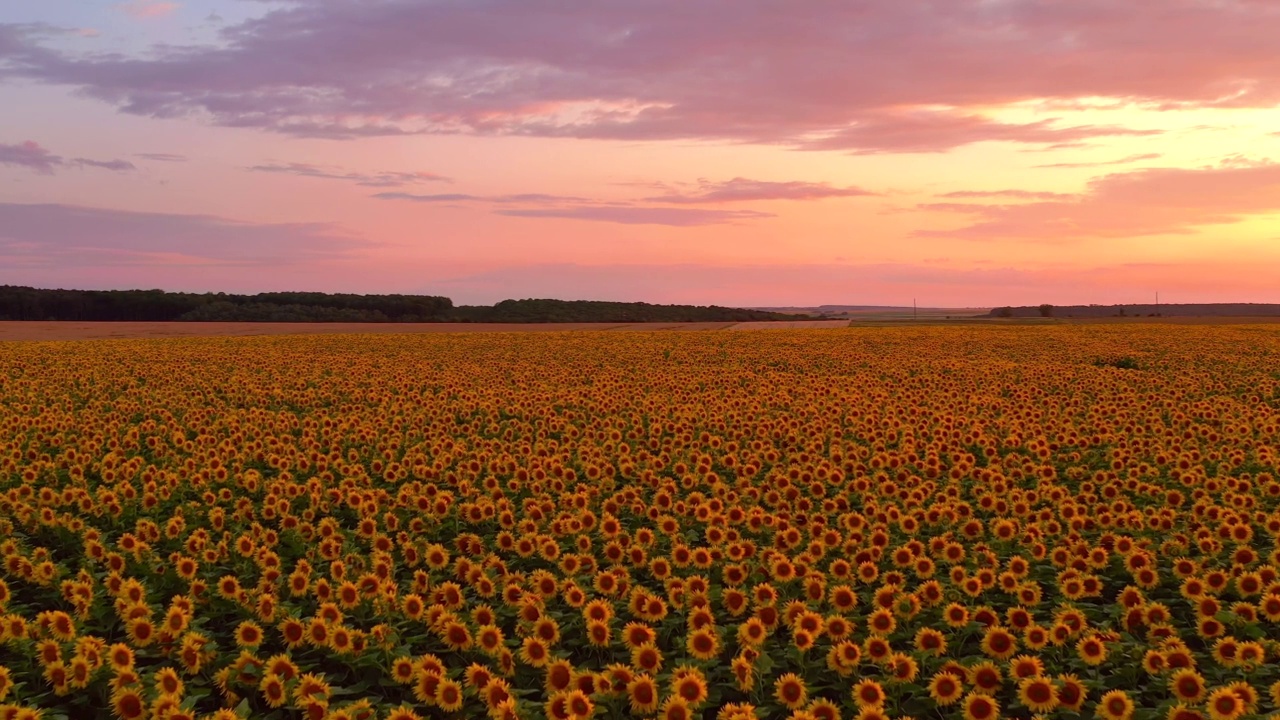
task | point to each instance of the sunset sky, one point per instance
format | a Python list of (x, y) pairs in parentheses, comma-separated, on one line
[(736, 152)]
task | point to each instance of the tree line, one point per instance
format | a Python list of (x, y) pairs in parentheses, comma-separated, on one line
[(27, 303)]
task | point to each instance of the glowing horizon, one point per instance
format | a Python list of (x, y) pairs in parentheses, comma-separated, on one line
[(1007, 153)]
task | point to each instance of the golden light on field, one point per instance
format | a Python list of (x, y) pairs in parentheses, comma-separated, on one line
[(1064, 521)]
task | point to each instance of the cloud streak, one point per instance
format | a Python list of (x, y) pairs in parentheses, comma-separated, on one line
[(53, 235), (640, 215), (31, 155), (1154, 201), (745, 190), (378, 179), (909, 76), (1120, 161)]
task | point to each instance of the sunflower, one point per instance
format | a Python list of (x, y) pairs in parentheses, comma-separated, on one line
[(642, 695), (868, 693), (703, 643), (647, 658), (956, 615), (248, 634), (945, 689), (692, 688), (1224, 704), (1037, 694), (931, 641), (881, 623), (273, 690), (120, 657), (559, 676), (903, 667), (743, 673), (534, 652), (1187, 685), (449, 695), (980, 707), (1115, 705), (126, 704), (986, 677), (1025, 666), (999, 643), (675, 708), (1182, 712), (790, 690), (1092, 650), (1072, 692)]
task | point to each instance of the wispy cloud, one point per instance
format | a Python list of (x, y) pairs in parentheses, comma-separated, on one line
[(32, 155), (162, 157), (1153, 201), (376, 179), (47, 235), (1103, 163), (640, 215), (1016, 194), (745, 190)]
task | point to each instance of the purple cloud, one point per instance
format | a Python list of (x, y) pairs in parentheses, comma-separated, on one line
[(433, 198), (67, 235), (31, 155), (640, 215), (378, 179), (742, 189), (909, 76), (117, 165), (162, 157)]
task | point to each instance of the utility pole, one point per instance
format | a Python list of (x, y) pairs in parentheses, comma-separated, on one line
[(913, 309)]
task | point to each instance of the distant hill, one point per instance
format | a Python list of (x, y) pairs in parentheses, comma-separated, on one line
[(27, 303), (1141, 310)]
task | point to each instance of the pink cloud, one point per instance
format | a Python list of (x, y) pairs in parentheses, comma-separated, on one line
[(743, 189), (1143, 202), (908, 76), (148, 8)]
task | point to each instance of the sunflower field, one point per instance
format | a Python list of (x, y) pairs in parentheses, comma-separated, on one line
[(1070, 521)]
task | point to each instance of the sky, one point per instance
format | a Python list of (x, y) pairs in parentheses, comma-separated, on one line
[(961, 153)]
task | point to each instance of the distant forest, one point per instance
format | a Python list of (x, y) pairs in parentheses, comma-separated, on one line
[(26, 303), (1140, 310)]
